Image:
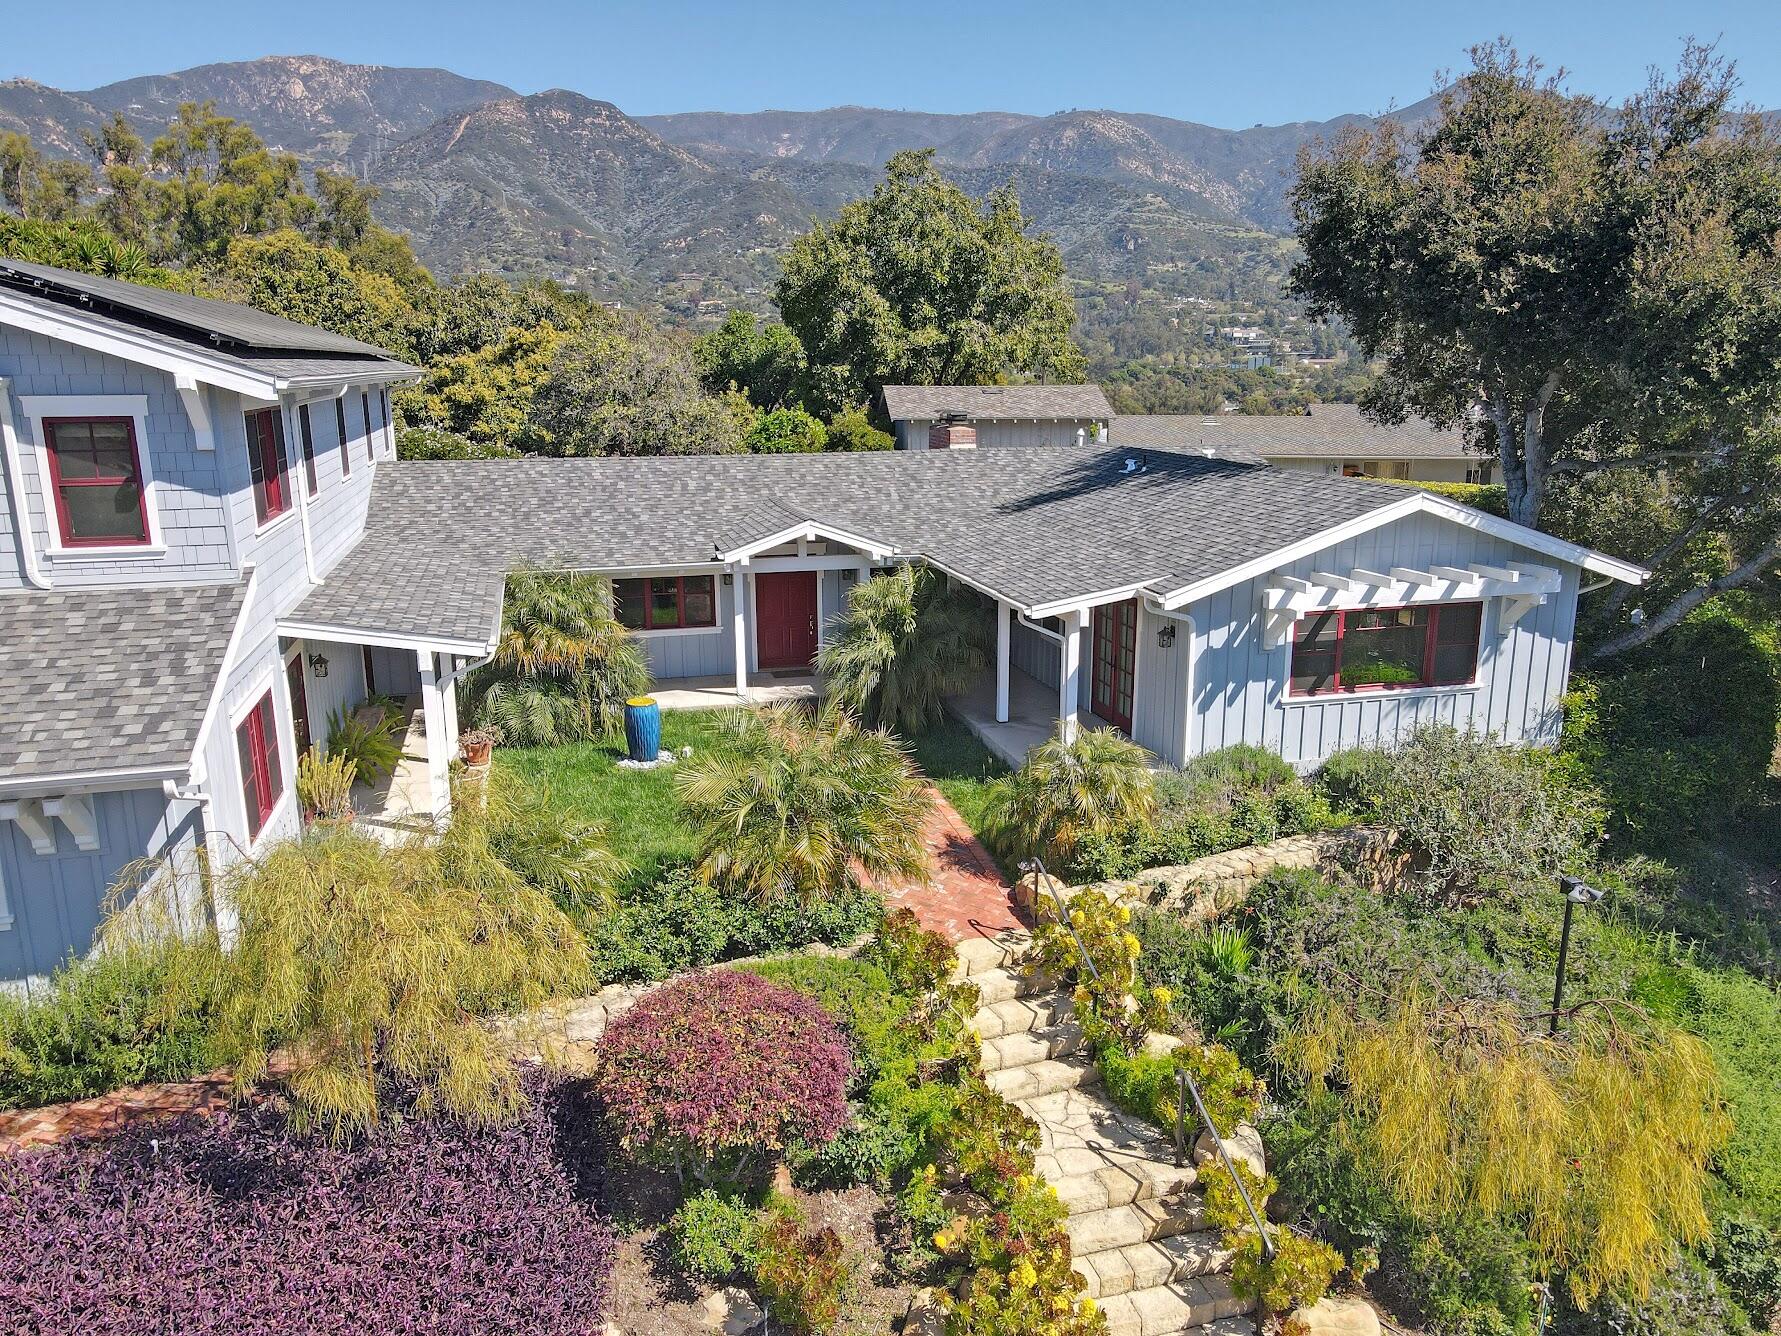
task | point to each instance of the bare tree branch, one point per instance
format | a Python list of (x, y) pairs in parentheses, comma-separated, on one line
[(1616, 600), (1577, 467), (1653, 627)]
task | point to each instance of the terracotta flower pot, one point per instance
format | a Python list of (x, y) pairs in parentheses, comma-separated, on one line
[(478, 751)]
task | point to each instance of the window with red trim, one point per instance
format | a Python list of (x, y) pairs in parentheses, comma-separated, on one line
[(1386, 649), (340, 426), (95, 472), (308, 435), (666, 602), (365, 408), (267, 462), (256, 744)]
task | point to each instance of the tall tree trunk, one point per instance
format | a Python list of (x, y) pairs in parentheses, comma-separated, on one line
[(1521, 447)]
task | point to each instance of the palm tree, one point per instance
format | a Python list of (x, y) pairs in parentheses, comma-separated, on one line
[(905, 641), (564, 666), (796, 806), (1097, 784)]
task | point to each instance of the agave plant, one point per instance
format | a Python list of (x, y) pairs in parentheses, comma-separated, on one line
[(1098, 783), (564, 666), (905, 641), (793, 806)]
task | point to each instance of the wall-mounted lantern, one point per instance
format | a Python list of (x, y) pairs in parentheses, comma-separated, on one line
[(1165, 635), (318, 664)]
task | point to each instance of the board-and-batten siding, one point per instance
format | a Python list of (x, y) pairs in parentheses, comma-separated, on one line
[(1239, 689), (57, 900)]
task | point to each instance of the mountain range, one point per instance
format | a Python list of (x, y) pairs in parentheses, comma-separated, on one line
[(694, 207)]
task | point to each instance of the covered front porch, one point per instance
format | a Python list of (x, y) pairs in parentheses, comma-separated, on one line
[(1031, 716)]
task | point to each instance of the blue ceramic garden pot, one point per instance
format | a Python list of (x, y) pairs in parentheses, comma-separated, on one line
[(643, 728)]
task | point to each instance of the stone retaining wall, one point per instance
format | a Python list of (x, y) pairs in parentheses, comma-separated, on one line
[(1210, 886)]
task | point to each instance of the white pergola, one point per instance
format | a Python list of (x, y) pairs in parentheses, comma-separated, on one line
[(1522, 586)]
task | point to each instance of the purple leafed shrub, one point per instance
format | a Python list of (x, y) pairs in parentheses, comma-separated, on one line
[(723, 1062), (235, 1225)]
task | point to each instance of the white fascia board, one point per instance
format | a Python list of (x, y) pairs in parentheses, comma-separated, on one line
[(1418, 502), (141, 348), (349, 635), (215, 703), (332, 387), (1083, 602), (809, 529), (92, 781)]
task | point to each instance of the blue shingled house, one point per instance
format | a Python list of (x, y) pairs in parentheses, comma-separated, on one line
[(207, 550)]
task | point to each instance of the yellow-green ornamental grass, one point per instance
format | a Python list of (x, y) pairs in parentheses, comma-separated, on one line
[(1597, 1142), (370, 966)]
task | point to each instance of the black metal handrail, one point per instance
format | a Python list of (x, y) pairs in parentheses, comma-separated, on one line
[(1184, 1081)]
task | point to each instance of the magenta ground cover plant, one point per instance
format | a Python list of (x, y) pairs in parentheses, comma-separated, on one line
[(720, 1064), (234, 1225)]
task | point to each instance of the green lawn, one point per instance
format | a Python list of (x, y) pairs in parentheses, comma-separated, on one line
[(961, 767), (642, 814), (638, 807)]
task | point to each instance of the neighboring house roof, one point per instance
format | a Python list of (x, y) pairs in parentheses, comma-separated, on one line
[(109, 680), (216, 341), (989, 403), (1042, 527), (1328, 431)]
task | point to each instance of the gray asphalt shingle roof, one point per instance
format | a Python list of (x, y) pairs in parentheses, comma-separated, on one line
[(1328, 431), (986, 403), (1036, 525), (255, 341), (108, 679)]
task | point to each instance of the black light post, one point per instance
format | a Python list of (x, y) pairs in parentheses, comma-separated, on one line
[(1576, 893)]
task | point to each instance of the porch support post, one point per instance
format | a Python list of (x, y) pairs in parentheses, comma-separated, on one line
[(739, 627), (1004, 652), (1070, 679), (433, 713), (451, 708)]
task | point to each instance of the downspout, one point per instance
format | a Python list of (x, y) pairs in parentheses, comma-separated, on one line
[(1045, 631), (15, 487)]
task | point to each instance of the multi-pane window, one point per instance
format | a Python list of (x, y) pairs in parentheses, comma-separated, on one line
[(256, 745), (1373, 649), (666, 602), (267, 463), (340, 430), (96, 475), (304, 430)]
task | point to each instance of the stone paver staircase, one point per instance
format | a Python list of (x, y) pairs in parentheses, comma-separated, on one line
[(1135, 1225)]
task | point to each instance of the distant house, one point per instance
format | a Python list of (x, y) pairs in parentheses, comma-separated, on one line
[(1328, 438), (207, 551), (942, 417)]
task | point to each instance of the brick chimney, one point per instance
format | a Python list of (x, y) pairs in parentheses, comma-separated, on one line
[(952, 432)]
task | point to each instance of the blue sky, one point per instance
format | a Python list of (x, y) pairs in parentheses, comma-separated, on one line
[(1221, 63)]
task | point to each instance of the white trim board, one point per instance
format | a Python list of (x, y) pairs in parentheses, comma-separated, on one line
[(36, 408)]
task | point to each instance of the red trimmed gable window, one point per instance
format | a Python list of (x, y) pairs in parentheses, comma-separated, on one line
[(266, 461), (256, 744), (667, 602), (96, 475), (1386, 649)]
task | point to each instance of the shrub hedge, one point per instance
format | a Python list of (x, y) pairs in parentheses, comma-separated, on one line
[(236, 1226), (720, 1065)]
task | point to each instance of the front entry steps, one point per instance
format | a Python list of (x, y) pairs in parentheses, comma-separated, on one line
[(1135, 1223)]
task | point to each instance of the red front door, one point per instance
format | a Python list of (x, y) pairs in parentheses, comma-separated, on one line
[(1114, 658), (785, 614)]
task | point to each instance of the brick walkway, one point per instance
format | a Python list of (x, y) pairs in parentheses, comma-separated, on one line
[(25, 1128), (964, 895)]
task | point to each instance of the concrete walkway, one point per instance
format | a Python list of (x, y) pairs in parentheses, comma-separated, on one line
[(964, 894)]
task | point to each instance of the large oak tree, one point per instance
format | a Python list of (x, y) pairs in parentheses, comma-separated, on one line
[(921, 284), (1591, 291)]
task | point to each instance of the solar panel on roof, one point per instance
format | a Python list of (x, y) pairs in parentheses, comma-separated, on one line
[(228, 322)]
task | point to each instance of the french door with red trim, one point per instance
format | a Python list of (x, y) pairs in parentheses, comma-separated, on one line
[(1113, 662), (293, 670)]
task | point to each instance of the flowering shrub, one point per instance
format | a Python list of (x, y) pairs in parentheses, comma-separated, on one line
[(804, 1276), (237, 1226), (1102, 927), (721, 1064)]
